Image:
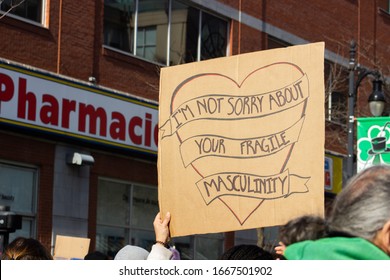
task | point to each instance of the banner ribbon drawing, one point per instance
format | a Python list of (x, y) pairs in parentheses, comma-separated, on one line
[(201, 146), (250, 185), (229, 107)]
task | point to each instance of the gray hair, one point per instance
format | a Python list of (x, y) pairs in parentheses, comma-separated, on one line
[(363, 206)]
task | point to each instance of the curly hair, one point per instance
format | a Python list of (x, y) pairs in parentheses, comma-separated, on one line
[(303, 228)]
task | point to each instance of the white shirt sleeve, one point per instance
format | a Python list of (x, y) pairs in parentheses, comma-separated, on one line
[(159, 252)]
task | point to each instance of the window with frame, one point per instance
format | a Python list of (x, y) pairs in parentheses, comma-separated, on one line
[(146, 43), (168, 32), (29, 10), (125, 215), (18, 190)]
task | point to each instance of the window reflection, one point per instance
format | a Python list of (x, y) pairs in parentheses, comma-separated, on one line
[(119, 24), (152, 30), (214, 37), (209, 247), (184, 33), (109, 240), (18, 190), (31, 9), (144, 206), (125, 214), (193, 34)]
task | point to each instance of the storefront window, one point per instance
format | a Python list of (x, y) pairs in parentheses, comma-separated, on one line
[(31, 10), (248, 236), (169, 32), (185, 245), (209, 247), (143, 238), (110, 239), (144, 206), (113, 201), (18, 190), (125, 215), (268, 236)]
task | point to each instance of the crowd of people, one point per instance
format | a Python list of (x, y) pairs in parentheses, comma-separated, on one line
[(358, 228)]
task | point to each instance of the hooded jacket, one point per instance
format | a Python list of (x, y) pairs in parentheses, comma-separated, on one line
[(335, 248)]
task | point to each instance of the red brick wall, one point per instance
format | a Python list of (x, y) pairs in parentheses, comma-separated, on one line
[(129, 74), (74, 47), (80, 48), (40, 154), (335, 22), (77, 39), (30, 44)]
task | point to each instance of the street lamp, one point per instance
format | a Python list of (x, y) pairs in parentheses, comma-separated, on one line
[(376, 100)]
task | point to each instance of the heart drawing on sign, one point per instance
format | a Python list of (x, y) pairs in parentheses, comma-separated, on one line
[(237, 139)]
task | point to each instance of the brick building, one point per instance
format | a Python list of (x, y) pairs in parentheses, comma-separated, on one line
[(107, 54)]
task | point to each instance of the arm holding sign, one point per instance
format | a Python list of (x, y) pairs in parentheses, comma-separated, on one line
[(160, 250)]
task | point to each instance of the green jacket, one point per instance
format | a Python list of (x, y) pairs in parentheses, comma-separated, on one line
[(335, 248)]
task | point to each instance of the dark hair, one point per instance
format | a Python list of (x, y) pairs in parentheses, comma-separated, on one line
[(303, 228), (26, 249), (96, 256), (246, 252)]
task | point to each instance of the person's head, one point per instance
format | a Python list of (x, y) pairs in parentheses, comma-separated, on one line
[(130, 252), (362, 209), (246, 252), (303, 228), (96, 256), (26, 249)]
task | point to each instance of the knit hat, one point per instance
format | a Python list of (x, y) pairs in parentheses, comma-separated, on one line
[(130, 252)]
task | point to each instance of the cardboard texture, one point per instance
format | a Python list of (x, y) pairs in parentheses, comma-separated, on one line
[(68, 247), (241, 140)]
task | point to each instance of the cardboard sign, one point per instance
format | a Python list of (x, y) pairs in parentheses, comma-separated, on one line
[(68, 247), (241, 140)]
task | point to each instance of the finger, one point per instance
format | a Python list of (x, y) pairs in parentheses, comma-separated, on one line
[(167, 218)]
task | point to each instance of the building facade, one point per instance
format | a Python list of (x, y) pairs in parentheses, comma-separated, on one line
[(79, 89)]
